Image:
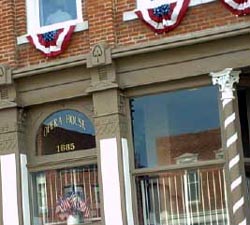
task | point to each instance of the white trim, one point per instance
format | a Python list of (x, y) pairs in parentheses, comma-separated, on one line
[(238, 204), (79, 27), (9, 190), (25, 190), (127, 182), (234, 161), (244, 222), (110, 182), (229, 120), (236, 183), (130, 15), (232, 140)]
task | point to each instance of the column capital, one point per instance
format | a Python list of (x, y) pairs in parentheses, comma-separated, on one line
[(226, 79)]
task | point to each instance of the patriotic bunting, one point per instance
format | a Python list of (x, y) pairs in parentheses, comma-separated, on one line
[(238, 7), (162, 15), (52, 43)]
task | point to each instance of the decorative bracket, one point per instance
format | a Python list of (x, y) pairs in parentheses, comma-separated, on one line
[(226, 79), (99, 55), (5, 75)]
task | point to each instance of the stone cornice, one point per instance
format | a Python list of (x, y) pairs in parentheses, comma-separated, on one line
[(184, 40), (166, 43)]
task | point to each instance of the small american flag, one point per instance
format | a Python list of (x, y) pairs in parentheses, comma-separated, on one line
[(72, 205), (85, 209)]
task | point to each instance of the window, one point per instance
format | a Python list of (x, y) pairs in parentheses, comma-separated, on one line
[(74, 128), (65, 189), (52, 14), (176, 137), (193, 186), (167, 125), (62, 193)]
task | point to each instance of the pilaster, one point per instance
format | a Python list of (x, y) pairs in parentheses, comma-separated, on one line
[(11, 147), (234, 167), (111, 133)]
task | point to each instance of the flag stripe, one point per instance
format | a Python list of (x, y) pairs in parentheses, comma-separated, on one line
[(53, 47), (237, 7), (167, 22)]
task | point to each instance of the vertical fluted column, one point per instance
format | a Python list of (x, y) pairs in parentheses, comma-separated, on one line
[(234, 167)]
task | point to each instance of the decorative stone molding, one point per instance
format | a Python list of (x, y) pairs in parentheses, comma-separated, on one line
[(8, 127), (107, 125), (5, 75), (103, 78), (21, 119), (7, 93), (110, 126), (187, 158), (99, 55), (226, 79), (122, 104), (8, 142)]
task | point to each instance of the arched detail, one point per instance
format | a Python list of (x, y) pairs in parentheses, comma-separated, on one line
[(65, 131)]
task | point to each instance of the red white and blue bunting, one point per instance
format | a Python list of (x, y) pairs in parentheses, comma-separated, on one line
[(238, 7), (162, 15), (52, 43)]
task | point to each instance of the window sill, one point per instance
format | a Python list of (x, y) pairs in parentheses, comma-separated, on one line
[(130, 15), (79, 27)]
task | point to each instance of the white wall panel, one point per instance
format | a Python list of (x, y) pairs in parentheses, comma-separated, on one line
[(110, 182), (9, 189)]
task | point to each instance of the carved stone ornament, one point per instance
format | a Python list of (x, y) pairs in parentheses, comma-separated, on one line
[(226, 79), (99, 55), (5, 75), (107, 126)]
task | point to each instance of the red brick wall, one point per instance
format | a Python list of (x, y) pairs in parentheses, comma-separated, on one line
[(105, 24), (7, 34)]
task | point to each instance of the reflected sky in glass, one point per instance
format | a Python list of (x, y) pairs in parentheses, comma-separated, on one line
[(71, 120), (171, 114)]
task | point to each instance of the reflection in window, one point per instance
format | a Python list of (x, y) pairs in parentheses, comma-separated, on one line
[(65, 131), (56, 11), (63, 194), (192, 182), (182, 197), (165, 126)]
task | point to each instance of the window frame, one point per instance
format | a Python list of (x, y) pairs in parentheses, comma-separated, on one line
[(33, 21), (189, 184), (65, 160), (193, 165)]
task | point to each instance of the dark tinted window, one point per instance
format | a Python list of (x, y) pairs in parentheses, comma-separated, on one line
[(65, 131)]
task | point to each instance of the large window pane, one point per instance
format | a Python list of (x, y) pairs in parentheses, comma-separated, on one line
[(176, 127), (66, 194), (56, 11)]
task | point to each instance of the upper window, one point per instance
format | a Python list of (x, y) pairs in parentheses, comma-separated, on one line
[(64, 131), (52, 13)]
